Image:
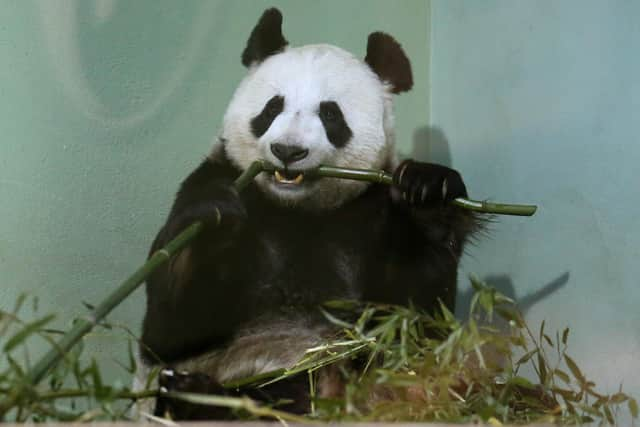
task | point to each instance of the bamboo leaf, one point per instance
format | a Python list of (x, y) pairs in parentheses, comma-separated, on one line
[(487, 303), (565, 336), (618, 398), (95, 376), (521, 382), (27, 330), (567, 395), (19, 303), (476, 283), (502, 299), (542, 366), (562, 375), (591, 410), (133, 366), (15, 366), (333, 319), (573, 367), (524, 359), (608, 414), (633, 407)]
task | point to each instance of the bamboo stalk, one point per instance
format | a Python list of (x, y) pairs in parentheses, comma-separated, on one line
[(382, 177), (85, 324), (73, 393)]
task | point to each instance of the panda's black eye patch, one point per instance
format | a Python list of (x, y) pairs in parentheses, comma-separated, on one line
[(337, 129), (261, 123)]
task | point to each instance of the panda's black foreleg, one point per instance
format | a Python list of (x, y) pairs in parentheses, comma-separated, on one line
[(426, 191), (425, 237), (189, 303), (218, 207)]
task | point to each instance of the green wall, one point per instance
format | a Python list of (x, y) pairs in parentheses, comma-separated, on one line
[(540, 102), (106, 105)]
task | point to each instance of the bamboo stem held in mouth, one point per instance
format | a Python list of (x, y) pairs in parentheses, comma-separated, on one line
[(382, 177)]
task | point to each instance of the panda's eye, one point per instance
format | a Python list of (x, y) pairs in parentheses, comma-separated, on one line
[(261, 123), (328, 115), (335, 125), (329, 112), (272, 110), (274, 106)]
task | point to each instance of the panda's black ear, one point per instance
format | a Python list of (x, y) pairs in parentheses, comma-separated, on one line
[(265, 39), (386, 57)]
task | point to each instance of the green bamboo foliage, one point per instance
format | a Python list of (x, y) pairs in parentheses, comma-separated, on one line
[(418, 367), (85, 324)]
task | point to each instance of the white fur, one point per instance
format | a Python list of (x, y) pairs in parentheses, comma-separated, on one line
[(306, 76), (271, 345)]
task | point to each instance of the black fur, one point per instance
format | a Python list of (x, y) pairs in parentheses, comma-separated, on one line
[(289, 153), (386, 57), (261, 123), (294, 390), (395, 247), (266, 38), (337, 129)]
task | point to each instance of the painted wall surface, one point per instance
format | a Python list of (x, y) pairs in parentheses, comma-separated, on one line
[(106, 105), (540, 102)]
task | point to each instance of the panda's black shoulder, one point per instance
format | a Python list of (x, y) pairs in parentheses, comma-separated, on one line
[(216, 167)]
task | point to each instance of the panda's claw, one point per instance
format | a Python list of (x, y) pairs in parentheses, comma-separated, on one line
[(426, 184), (167, 372), (423, 195)]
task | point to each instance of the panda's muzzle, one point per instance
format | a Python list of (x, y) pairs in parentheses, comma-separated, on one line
[(288, 177), (288, 154)]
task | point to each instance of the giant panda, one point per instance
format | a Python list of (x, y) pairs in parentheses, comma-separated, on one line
[(244, 297)]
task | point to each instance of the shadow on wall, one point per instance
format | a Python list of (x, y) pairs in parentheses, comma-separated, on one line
[(431, 145), (503, 284)]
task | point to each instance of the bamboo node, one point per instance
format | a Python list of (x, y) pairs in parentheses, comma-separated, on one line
[(165, 253), (91, 318)]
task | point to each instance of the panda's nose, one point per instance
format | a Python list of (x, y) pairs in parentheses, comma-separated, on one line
[(289, 153)]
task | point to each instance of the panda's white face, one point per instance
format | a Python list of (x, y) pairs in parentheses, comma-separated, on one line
[(304, 107)]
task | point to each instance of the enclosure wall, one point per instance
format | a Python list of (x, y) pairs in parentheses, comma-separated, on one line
[(540, 102)]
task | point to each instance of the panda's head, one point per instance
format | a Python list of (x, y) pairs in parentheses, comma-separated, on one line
[(317, 104)]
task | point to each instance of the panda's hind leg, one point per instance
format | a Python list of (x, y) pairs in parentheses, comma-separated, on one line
[(170, 380), (291, 395)]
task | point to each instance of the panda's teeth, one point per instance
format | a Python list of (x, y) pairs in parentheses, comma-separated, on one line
[(297, 180)]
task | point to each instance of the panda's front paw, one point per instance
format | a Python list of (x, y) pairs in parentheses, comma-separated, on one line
[(221, 211), (426, 184)]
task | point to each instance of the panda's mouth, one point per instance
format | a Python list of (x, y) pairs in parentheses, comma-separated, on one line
[(288, 177)]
